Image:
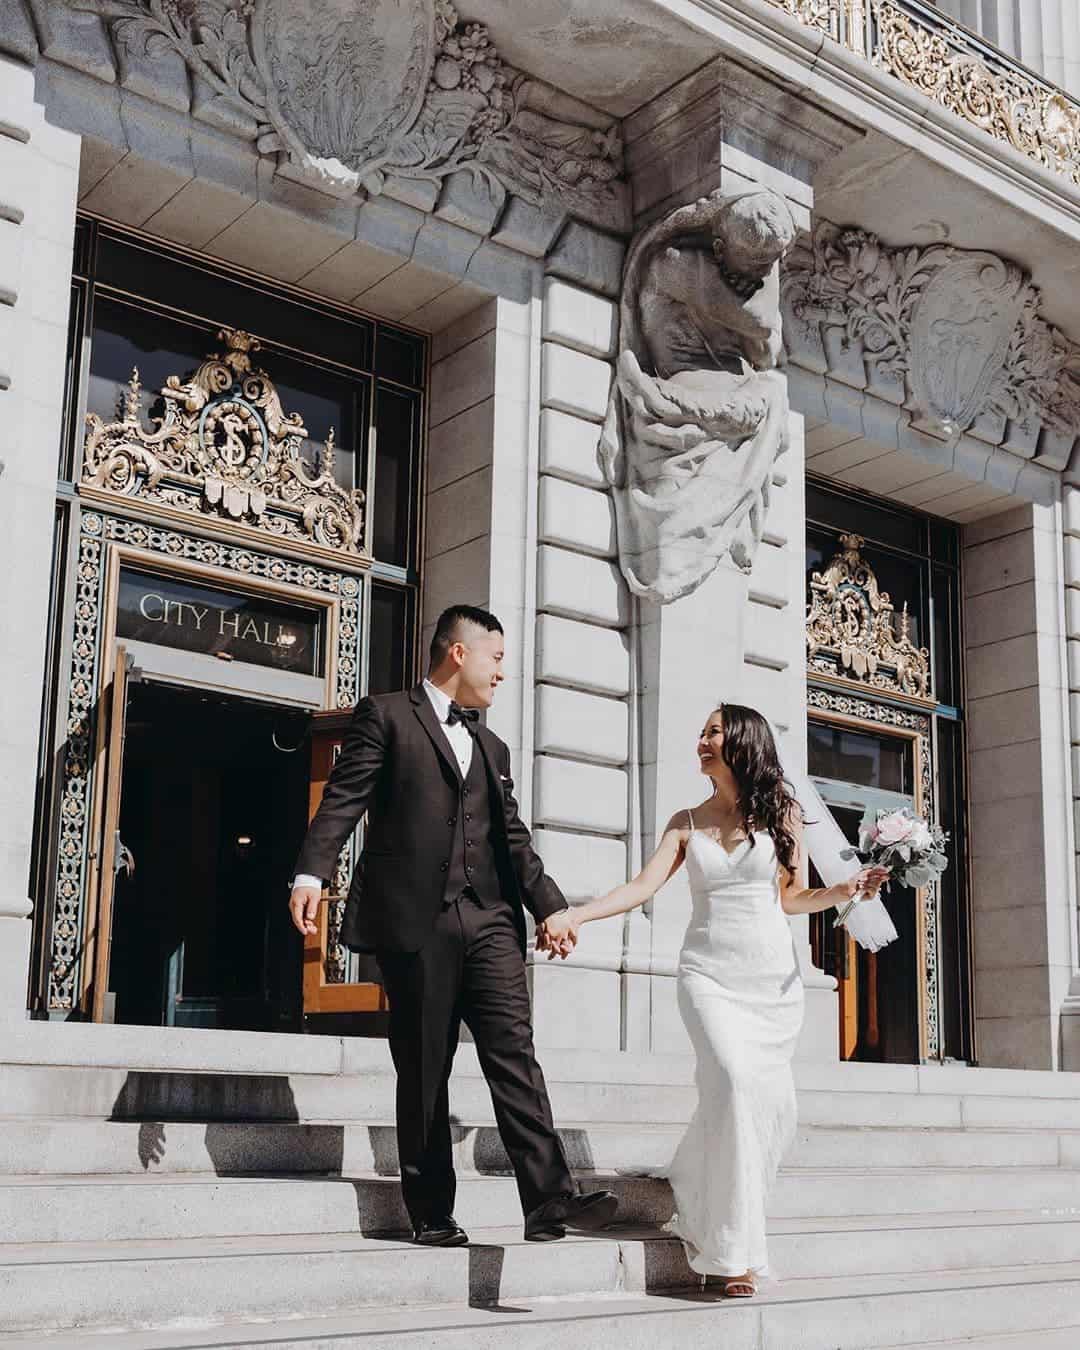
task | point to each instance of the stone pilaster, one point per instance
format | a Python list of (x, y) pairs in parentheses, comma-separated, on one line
[(38, 178)]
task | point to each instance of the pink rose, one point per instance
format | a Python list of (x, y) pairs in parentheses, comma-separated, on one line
[(894, 829)]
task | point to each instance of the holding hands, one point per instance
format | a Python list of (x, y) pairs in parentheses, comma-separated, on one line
[(558, 935)]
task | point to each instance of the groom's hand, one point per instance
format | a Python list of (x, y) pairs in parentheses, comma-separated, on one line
[(557, 935), (304, 908)]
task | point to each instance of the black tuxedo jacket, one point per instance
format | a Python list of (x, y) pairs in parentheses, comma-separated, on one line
[(397, 765)]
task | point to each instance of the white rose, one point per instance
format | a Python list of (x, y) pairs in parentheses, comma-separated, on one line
[(920, 837)]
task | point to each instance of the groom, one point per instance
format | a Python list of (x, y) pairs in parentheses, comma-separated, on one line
[(438, 896)]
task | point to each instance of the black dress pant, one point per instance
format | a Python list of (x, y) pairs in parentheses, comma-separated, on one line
[(470, 970)]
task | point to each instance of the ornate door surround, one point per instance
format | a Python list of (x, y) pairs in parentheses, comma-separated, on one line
[(865, 672), (214, 491)]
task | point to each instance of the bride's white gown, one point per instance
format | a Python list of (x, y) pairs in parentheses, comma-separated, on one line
[(741, 998)]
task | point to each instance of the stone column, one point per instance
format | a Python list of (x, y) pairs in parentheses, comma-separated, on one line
[(38, 180), (1070, 1011), (1023, 896)]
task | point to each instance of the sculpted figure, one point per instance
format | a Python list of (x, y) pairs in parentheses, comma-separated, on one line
[(698, 412)]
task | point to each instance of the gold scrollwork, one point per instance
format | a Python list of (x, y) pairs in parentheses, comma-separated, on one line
[(850, 629), (938, 59), (225, 445)]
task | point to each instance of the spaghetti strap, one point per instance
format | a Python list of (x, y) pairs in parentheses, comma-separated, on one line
[(690, 814)]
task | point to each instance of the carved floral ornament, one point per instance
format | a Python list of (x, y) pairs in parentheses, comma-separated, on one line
[(954, 335), (224, 445), (943, 61), (853, 631), (354, 91)]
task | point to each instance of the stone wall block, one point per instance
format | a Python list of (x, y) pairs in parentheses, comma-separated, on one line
[(17, 36), (1022, 438), (591, 259), (388, 225), (581, 726), (12, 249), (577, 517), (1055, 449), (502, 272), (1002, 470), (527, 228), (161, 75), (989, 426), (569, 448), (770, 583), (583, 865), (1072, 649), (1072, 613), (75, 38), (577, 587), (470, 201), (577, 796), (582, 655), (458, 512), (460, 445), (212, 108), (464, 378), (578, 318), (574, 383)]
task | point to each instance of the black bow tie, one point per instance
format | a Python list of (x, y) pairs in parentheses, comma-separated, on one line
[(463, 715)]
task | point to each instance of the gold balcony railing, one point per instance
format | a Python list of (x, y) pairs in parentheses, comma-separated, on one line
[(928, 51)]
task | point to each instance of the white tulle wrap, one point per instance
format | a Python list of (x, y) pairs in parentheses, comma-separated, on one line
[(867, 921)]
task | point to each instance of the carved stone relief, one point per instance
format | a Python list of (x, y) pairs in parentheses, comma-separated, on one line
[(698, 413), (950, 334), (353, 91), (225, 445)]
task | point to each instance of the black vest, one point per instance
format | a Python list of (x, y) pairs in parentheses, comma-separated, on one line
[(472, 856)]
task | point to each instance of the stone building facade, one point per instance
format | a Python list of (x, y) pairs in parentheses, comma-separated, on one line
[(632, 325)]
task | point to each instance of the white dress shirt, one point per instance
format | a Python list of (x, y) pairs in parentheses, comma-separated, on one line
[(458, 737)]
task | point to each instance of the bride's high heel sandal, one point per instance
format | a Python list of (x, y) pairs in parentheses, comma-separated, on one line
[(741, 1286)]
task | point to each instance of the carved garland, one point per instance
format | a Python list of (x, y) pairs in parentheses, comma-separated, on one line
[(954, 335), (850, 629), (867, 710), (352, 92), (76, 788), (225, 445)]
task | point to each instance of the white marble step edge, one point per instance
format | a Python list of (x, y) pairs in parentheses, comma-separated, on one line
[(840, 1313), (171, 1049), (65, 1285)]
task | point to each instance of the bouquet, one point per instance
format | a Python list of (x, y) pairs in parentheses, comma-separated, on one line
[(910, 847)]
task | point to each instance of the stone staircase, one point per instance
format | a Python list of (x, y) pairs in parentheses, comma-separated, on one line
[(166, 1189)]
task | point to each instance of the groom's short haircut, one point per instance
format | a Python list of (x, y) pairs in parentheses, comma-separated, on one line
[(448, 630)]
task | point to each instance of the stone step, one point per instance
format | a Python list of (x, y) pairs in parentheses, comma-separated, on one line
[(46, 1146), (130, 1283), (105, 1093), (838, 1313), (99, 1209)]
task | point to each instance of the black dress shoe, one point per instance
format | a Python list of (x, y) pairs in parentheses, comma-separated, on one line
[(549, 1221), (444, 1232)]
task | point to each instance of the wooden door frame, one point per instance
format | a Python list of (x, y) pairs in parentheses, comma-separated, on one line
[(319, 994), (109, 761), (922, 754)]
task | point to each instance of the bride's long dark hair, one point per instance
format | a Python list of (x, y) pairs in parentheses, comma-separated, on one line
[(765, 799)]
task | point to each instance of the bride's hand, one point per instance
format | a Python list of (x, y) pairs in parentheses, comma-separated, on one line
[(865, 884)]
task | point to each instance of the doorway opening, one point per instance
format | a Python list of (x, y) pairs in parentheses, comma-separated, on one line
[(213, 810), (860, 771)]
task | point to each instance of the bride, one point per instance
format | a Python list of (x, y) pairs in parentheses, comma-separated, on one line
[(739, 988)]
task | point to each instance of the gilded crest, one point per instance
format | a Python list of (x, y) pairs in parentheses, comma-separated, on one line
[(225, 446), (853, 632)]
